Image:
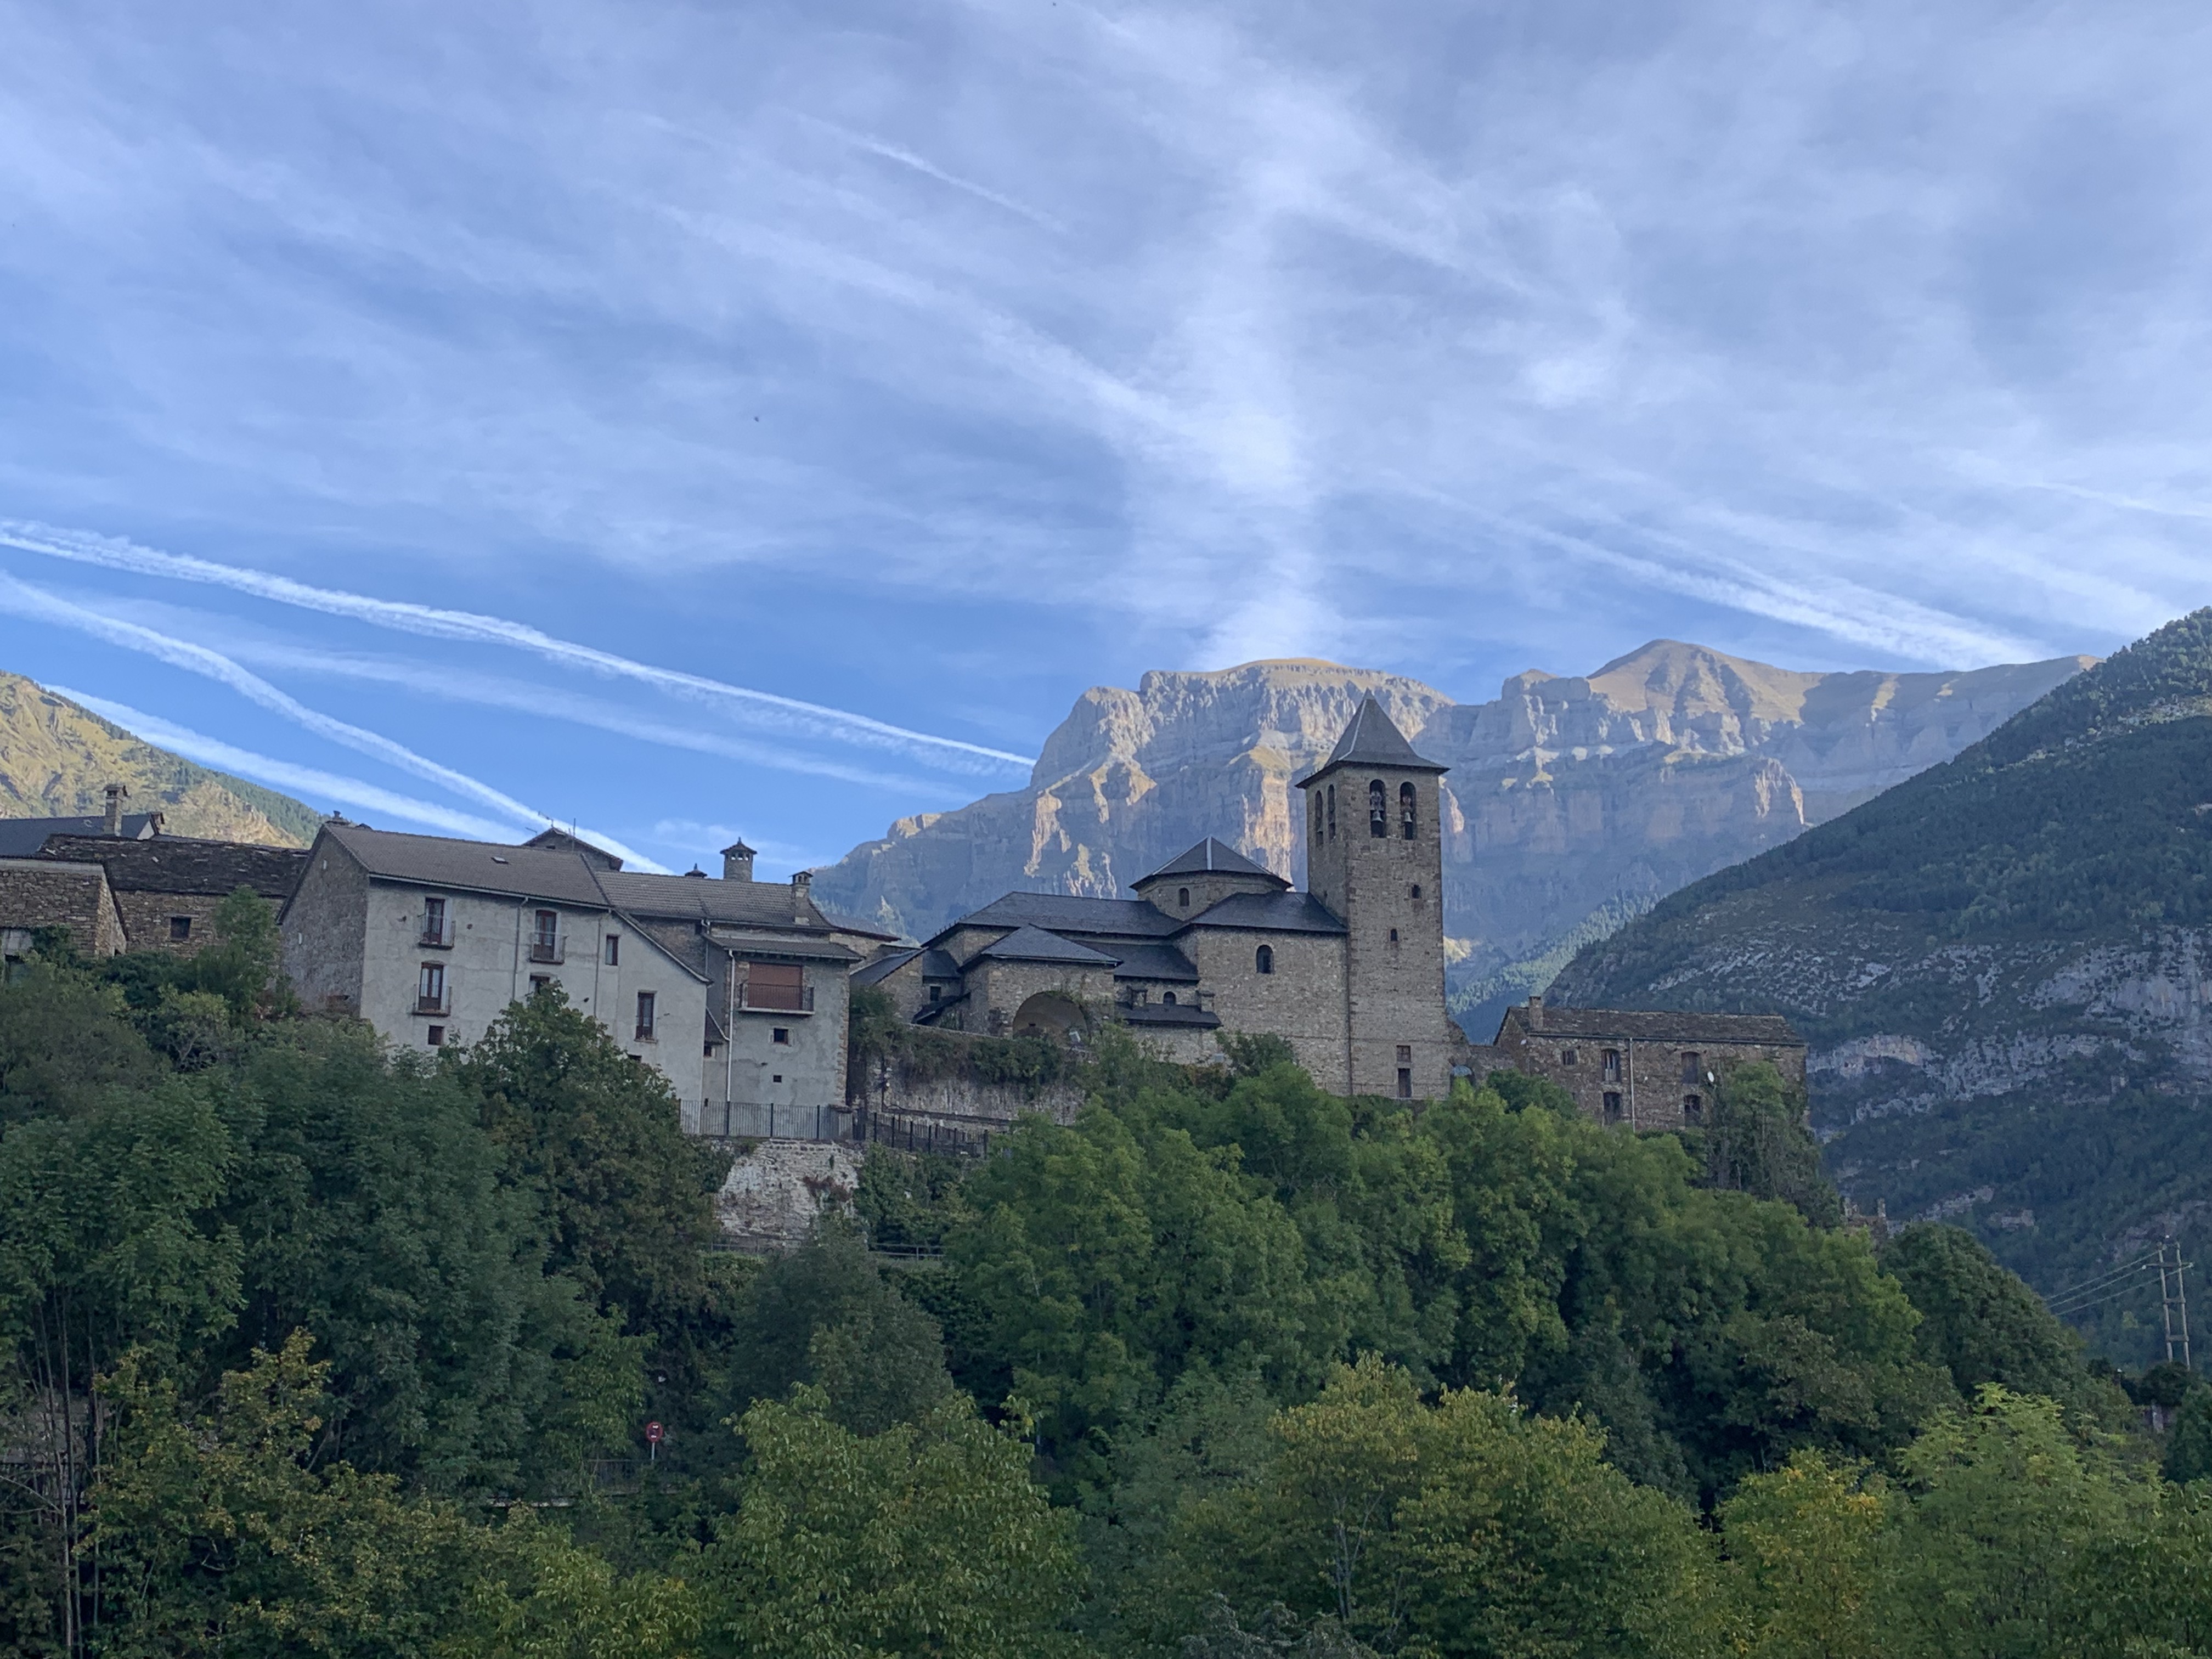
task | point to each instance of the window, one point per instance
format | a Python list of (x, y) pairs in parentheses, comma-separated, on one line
[(1167, 998), (1612, 1107), (1405, 1054), (1406, 814), (777, 985), (614, 950), (1332, 811), (430, 988), (1182, 898), (778, 1077), (180, 929), (546, 937), (1693, 1108), (1569, 1057), (1378, 814), (1612, 1059), (539, 983), (1693, 1068), (779, 1034), (936, 992), (434, 922), (1263, 959), (1405, 1083), (1314, 802), (1417, 889), (1394, 936), (435, 1037), (645, 1012)]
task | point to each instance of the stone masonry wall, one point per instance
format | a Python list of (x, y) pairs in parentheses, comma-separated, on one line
[(1651, 1087), (43, 893), (1302, 1001), (325, 928)]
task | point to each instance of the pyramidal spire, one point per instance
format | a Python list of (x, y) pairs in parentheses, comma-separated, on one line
[(1373, 739)]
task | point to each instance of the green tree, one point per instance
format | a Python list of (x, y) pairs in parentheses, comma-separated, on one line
[(2189, 1441), (926, 1539), (629, 1197), (1468, 1527), (1980, 1321), (372, 1210), (1804, 1560), (1757, 1141), (823, 1315)]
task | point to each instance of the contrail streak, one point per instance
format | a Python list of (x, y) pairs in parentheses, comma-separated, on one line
[(26, 600), (113, 553), (282, 775)]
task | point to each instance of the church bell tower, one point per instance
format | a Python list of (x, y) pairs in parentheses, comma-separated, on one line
[(1375, 857)]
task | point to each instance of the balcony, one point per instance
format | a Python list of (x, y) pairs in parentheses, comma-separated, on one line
[(543, 948), (436, 935), (776, 998), (442, 1003)]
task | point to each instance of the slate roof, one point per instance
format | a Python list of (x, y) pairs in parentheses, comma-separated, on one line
[(1656, 1025), (186, 864), (1276, 913), (1154, 962), (938, 964), (479, 866), (560, 840), (883, 967), (1034, 944), (1064, 912), (694, 898), (21, 838), (1154, 1013), (1212, 857), (1372, 739), (841, 923)]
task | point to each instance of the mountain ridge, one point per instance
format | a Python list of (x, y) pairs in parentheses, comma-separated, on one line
[(1574, 802), (57, 759)]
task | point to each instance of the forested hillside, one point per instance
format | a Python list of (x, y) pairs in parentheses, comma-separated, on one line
[(2004, 966), (314, 1346)]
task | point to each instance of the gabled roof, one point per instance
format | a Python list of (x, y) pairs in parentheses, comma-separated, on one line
[(1064, 912), (187, 864), (1034, 944), (695, 898), (1273, 913), (884, 966), (1372, 739), (1212, 857), (480, 867), (21, 838), (561, 840)]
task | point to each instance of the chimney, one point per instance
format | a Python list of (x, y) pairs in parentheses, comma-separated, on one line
[(802, 884), (737, 862), (113, 824), (1536, 1013)]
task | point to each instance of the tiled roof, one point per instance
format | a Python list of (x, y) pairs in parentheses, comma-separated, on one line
[(21, 838), (1064, 912), (185, 864), (1160, 962), (561, 841), (1275, 913), (1655, 1025), (1212, 857), (747, 903), (1034, 944), (840, 923), (938, 964), (1373, 739)]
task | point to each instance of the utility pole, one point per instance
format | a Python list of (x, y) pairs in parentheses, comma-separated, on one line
[(2176, 1296)]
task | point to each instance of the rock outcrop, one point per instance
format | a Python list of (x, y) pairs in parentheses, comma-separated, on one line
[(1574, 802)]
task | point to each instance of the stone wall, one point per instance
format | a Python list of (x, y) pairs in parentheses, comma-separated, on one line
[(1650, 1086), (325, 926), (776, 1190), (1302, 1001), (149, 920), (44, 893)]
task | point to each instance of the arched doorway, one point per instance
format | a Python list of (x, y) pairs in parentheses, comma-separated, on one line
[(1048, 1013)]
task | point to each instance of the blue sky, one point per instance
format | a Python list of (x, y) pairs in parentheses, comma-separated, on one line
[(695, 419)]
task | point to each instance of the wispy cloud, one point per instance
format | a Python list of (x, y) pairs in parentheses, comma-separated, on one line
[(26, 600), (307, 781), (788, 713)]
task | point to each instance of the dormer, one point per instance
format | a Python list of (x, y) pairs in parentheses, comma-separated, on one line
[(1200, 878)]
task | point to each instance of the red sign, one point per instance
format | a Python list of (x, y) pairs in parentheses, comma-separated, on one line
[(652, 1432)]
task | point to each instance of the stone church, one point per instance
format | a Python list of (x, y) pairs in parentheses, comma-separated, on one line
[(1350, 972)]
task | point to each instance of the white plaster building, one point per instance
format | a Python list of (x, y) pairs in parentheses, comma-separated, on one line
[(735, 990)]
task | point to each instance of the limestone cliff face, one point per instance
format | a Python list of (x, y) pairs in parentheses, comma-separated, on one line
[(1573, 803), (57, 759)]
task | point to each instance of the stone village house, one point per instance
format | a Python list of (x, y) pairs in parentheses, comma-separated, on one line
[(736, 991)]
